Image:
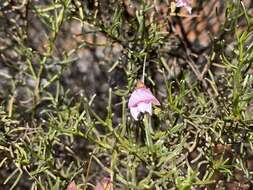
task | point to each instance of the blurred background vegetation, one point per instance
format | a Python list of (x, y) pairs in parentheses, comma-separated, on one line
[(67, 68)]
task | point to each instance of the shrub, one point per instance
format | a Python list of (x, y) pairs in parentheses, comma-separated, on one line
[(68, 68)]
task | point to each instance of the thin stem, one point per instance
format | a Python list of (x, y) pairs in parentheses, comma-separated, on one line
[(143, 69), (148, 131)]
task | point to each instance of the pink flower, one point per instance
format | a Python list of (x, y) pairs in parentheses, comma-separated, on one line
[(141, 100), (184, 3), (105, 184), (72, 186)]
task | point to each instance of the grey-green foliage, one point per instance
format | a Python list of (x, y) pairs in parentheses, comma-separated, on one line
[(56, 128)]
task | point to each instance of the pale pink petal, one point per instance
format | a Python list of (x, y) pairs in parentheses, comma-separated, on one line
[(150, 97), (134, 112), (105, 184), (142, 95), (72, 186), (185, 4), (135, 98), (189, 9), (144, 107), (180, 3), (99, 187)]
